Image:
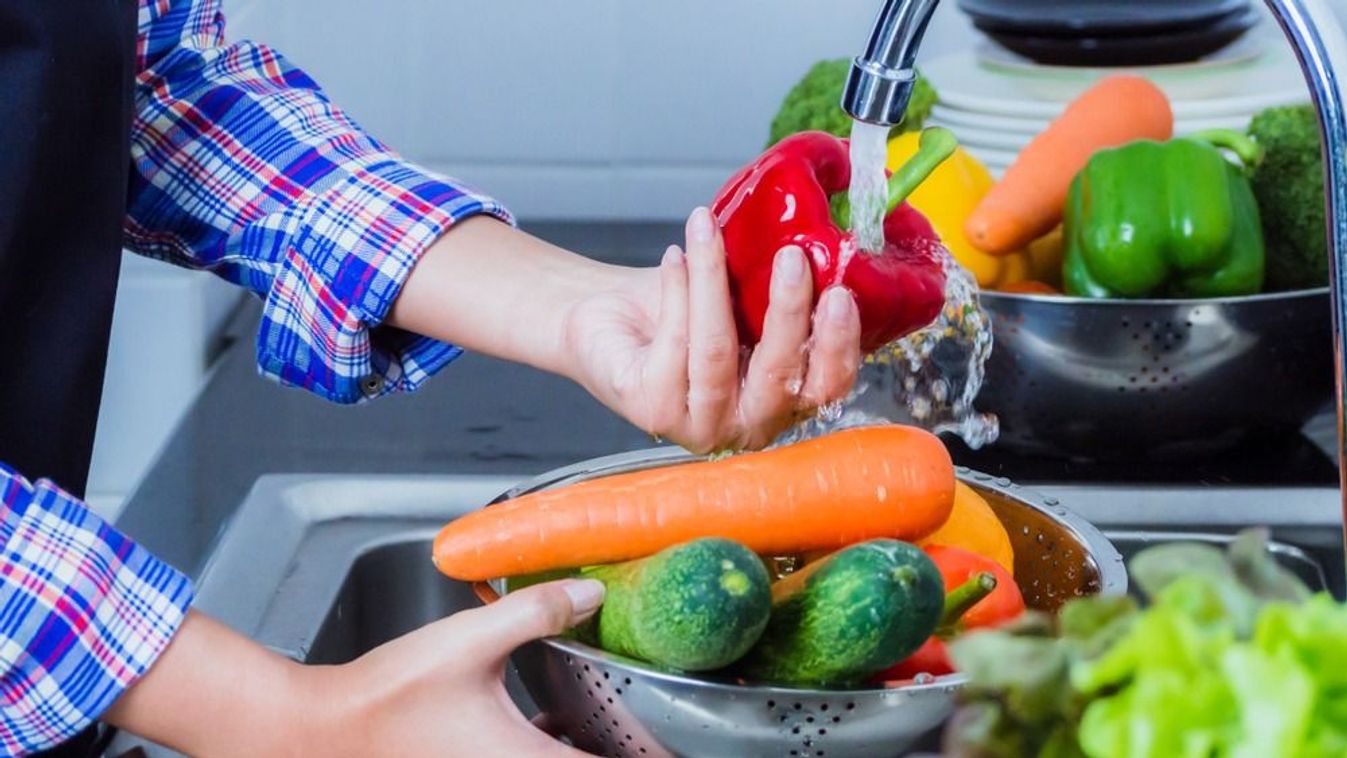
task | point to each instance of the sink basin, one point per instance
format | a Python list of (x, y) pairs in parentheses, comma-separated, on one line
[(324, 568)]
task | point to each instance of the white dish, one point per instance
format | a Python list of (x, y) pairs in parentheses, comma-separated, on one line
[(998, 131), (960, 120), (1196, 92)]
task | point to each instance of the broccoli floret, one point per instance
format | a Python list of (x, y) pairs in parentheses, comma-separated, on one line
[(1289, 184), (815, 103)]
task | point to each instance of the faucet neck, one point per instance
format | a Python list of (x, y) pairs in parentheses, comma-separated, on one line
[(880, 84)]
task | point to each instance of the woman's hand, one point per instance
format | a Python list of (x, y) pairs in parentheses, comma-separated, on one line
[(657, 345), (438, 691), (661, 347)]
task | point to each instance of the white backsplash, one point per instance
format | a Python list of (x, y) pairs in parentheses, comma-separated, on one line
[(577, 109)]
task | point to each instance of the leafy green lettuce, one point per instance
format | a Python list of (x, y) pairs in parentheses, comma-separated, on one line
[(1232, 657)]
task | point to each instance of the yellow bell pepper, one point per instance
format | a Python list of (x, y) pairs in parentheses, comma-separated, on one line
[(948, 197)]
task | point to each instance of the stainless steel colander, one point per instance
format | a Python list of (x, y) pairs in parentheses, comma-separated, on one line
[(1137, 379), (612, 706)]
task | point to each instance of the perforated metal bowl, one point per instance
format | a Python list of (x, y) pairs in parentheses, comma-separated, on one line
[(612, 706), (1154, 379)]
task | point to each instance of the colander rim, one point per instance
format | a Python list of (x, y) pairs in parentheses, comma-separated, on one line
[(1064, 300)]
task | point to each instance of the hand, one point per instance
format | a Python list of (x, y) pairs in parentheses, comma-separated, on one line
[(661, 347), (438, 691)]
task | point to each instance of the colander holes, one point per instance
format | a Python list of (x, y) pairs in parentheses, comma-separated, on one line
[(629, 738), (605, 675), (603, 708), (570, 659), (1136, 336), (783, 719), (822, 731), (795, 752), (610, 701), (1126, 323), (837, 719), (795, 730), (615, 724), (627, 681), (579, 677), (771, 704), (586, 667), (823, 707), (808, 743), (798, 706), (809, 719), (618, 690), (852, 706), (1145, 369)]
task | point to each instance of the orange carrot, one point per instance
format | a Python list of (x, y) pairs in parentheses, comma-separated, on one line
[(1028, 201), (824, 493)]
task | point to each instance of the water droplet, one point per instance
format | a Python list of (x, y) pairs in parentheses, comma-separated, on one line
[(1051, 501), (923, 678)]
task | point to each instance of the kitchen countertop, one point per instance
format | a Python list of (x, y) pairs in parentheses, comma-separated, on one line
[(478, 416)]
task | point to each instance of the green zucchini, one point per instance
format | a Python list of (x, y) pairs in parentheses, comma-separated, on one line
[(847, 616), (697, 606)]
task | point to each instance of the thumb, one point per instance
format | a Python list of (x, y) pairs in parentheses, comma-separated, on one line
[(542, 610)]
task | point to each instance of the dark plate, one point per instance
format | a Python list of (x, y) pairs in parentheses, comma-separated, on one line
[(1150, 50), (1097, 18)]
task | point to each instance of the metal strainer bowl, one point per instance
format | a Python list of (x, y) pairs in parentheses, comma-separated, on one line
[(613, 706), (1154, 379)]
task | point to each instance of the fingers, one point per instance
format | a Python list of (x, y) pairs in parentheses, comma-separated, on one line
[(713, 344), (835, 355), (668, 366), (488, 635), (777, 371)]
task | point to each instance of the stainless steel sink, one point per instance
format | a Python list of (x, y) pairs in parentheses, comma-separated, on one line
[(324, 568)]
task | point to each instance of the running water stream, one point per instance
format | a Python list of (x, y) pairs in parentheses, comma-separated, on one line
[(931, 377)]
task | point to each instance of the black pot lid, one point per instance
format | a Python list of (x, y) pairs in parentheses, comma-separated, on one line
[(1148, 50), (1098, 17)]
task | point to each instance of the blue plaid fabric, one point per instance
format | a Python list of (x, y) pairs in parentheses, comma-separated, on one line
[(244, 167), (241, 166)]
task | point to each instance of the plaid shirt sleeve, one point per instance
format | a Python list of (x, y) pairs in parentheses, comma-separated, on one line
[(241, 165), (84, 612)]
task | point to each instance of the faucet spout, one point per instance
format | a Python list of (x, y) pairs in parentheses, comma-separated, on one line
[(880, 83)]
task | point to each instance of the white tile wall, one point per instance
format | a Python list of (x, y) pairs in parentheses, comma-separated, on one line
[(584, 108)]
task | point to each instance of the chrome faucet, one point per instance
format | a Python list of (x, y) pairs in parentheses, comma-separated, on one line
[(881, 81), (880, 86), (1320, 44)]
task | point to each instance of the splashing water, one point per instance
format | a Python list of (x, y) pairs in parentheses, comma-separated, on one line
[(869, 190), (934, 374), (931, 377), (928, 379)]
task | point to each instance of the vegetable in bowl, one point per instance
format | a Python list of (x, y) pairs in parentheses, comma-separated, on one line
[(1289, 184)]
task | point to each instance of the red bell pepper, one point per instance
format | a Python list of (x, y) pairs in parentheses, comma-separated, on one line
[(785, 198), (985, 595)]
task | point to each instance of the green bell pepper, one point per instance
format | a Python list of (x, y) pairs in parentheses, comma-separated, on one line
[(1165, 219)]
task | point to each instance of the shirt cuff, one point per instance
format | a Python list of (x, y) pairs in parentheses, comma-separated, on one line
[(342, 273), (84, 613)]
